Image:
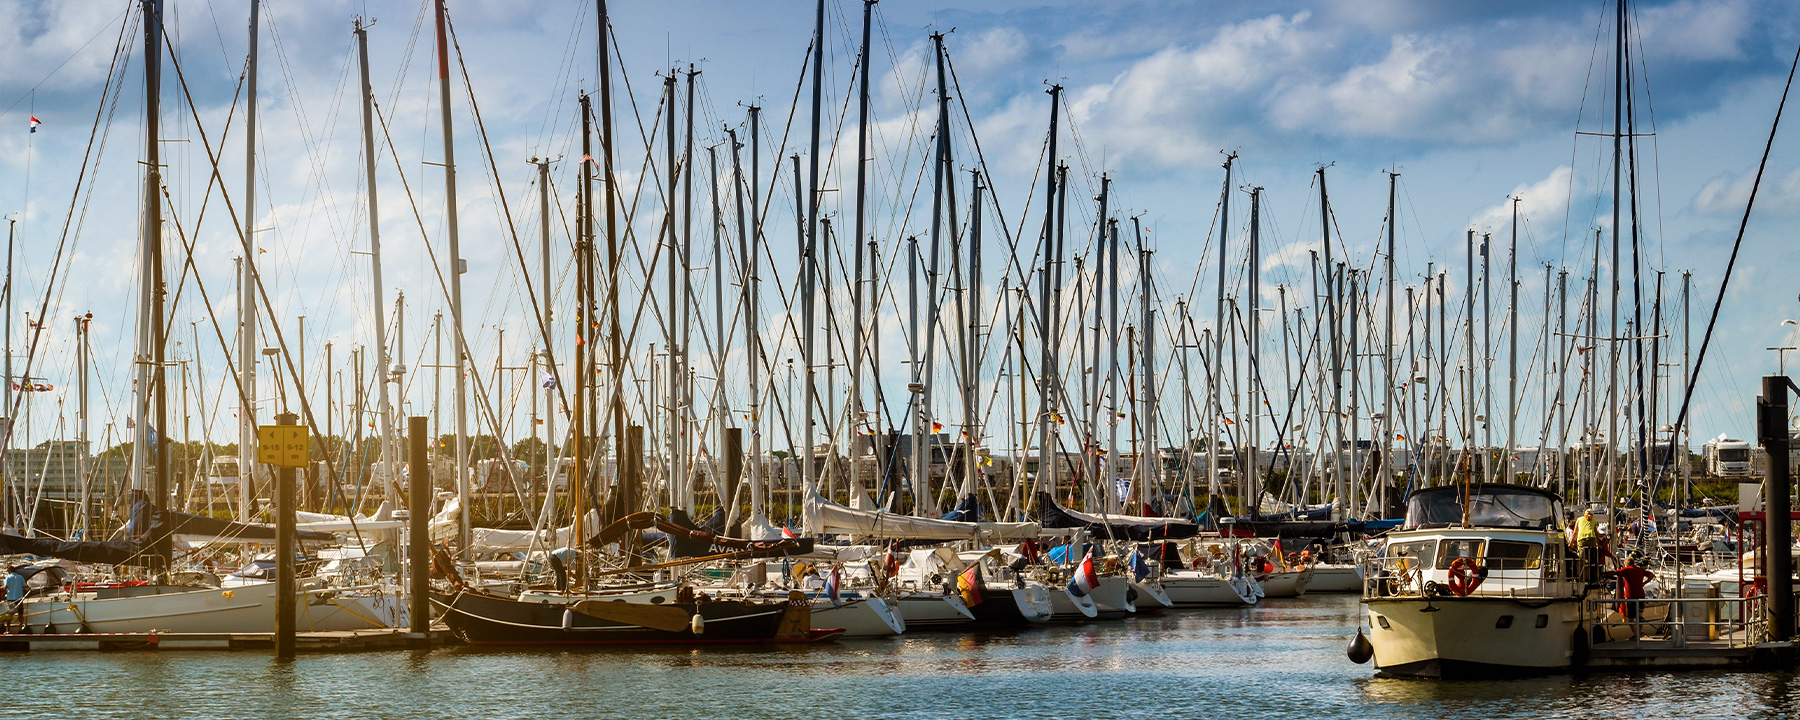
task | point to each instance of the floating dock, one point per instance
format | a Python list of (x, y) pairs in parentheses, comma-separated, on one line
[(331, 641)]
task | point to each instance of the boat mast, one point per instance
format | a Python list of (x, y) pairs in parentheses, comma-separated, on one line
[(1149, 456), (856, 288), (1512, 352), (461, 379), (247, 323), (149, 365), (1049, 314), (972, 347), (684, 416), (809, 256), (615, 350), (1097, 479), (671, 324), (1385, 470), (1253, 336), (753, 359), (1334, 435), (1110, 478), (389, 449)]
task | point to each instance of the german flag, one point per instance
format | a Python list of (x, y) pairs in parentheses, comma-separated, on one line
[(969, 584)]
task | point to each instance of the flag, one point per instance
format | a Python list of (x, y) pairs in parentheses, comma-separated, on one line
[(788, 533), (1649, 524), (548, 381), (1229, 421), (1139, 568), (890, 565), (34, 123), (831, 587), (937, 427), (1085, 579), (969, 584)]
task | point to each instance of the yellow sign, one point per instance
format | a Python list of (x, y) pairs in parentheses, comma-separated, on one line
[(282, 445)]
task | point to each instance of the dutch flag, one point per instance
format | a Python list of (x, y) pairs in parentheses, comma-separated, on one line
[(1085, 579), (34, 123)]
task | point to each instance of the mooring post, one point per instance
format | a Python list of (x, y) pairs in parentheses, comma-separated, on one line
[(1772, 431), (418, 514), (284, 553)]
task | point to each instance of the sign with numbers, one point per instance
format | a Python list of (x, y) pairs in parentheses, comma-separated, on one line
[(282, 445)]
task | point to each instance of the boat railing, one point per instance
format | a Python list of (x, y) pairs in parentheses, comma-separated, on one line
[(1485, 576), (1735, 622)]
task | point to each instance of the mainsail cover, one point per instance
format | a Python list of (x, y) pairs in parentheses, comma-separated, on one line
[(149, 526), (1116, 527), (824, 517)]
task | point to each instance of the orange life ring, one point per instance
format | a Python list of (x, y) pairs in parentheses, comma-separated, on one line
[(1465, 576), (1293, 559)]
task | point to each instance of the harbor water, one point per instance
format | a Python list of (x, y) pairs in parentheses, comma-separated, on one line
[(1281, 659)]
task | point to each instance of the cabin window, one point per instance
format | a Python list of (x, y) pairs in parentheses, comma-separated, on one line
[(1409, 555), (1510, 555), (1453, 549)]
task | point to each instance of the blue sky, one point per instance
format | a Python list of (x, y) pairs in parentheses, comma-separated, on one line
[(1469, 103)]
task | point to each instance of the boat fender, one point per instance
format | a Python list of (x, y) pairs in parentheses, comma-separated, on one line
[(1578, 651), (568, 619), (1360, 651), (1131, 594), (697, 624)]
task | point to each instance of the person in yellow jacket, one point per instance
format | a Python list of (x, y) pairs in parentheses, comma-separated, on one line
[(1587, 537)]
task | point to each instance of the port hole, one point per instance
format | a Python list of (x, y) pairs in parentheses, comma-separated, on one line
[(1504, 622), (1543, 621), (1383, 621)]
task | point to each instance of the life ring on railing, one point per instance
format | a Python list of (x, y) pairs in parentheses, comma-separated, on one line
[(1465, 576), (1293, 559)]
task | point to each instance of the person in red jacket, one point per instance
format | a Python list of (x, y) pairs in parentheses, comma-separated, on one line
[(1631, 587)]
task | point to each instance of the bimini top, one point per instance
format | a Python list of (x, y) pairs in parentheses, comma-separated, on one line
[(1490, 506)]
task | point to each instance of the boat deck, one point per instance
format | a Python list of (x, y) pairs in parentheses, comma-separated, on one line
[(331, 641), (1727, 652)]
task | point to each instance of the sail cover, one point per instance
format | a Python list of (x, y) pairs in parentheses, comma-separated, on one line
[(824, 517), (1116, 527)]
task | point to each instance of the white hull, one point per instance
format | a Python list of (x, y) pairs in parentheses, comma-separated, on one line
[(1034, 602), (1460, 637), (1335, 579), (1190, 588), (1151, 595), (244, 609), (1113, 598), (1066, 606), (931, 611), (1285, 584), (866, 617)]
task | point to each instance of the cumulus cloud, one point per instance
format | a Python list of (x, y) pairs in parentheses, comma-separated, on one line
[(1546, 198)]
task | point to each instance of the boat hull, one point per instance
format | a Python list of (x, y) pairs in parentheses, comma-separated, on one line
[(1289, 584), (1194, 589), (1112, 599), (1473, 637), (482, 619), (933, 611), (1069, 607), (1013, 606), (1335, 579), (242, 609), (1150, 595), (865, 617)]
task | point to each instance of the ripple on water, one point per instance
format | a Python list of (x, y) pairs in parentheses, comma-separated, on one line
[(1281, 659)]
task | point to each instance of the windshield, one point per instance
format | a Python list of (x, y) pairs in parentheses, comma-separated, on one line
[(1490, 506), (1735, 455)]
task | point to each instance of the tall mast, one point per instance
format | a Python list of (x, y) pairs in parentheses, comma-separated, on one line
[(856, 288), (389, 449), (81, 424), (149, 366), (581, 406), (1215, 423), (247, 349), (719, 416), (549, 355), (752, 359), (1618, 135), (1334, 435), (1110, 477), (615, 349), (1097, 480), (1253, 291), (671, 325), (810, 257), (1149, 456), (972, 346), (683, 438), (1512, 353), (1487, 358), (942, 183), (461, 379), (1385, 471), (1048, 314)]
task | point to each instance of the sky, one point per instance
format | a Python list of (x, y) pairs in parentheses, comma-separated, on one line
[(1469, 104)]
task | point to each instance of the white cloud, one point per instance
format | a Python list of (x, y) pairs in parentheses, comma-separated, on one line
[(1544, 199)]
